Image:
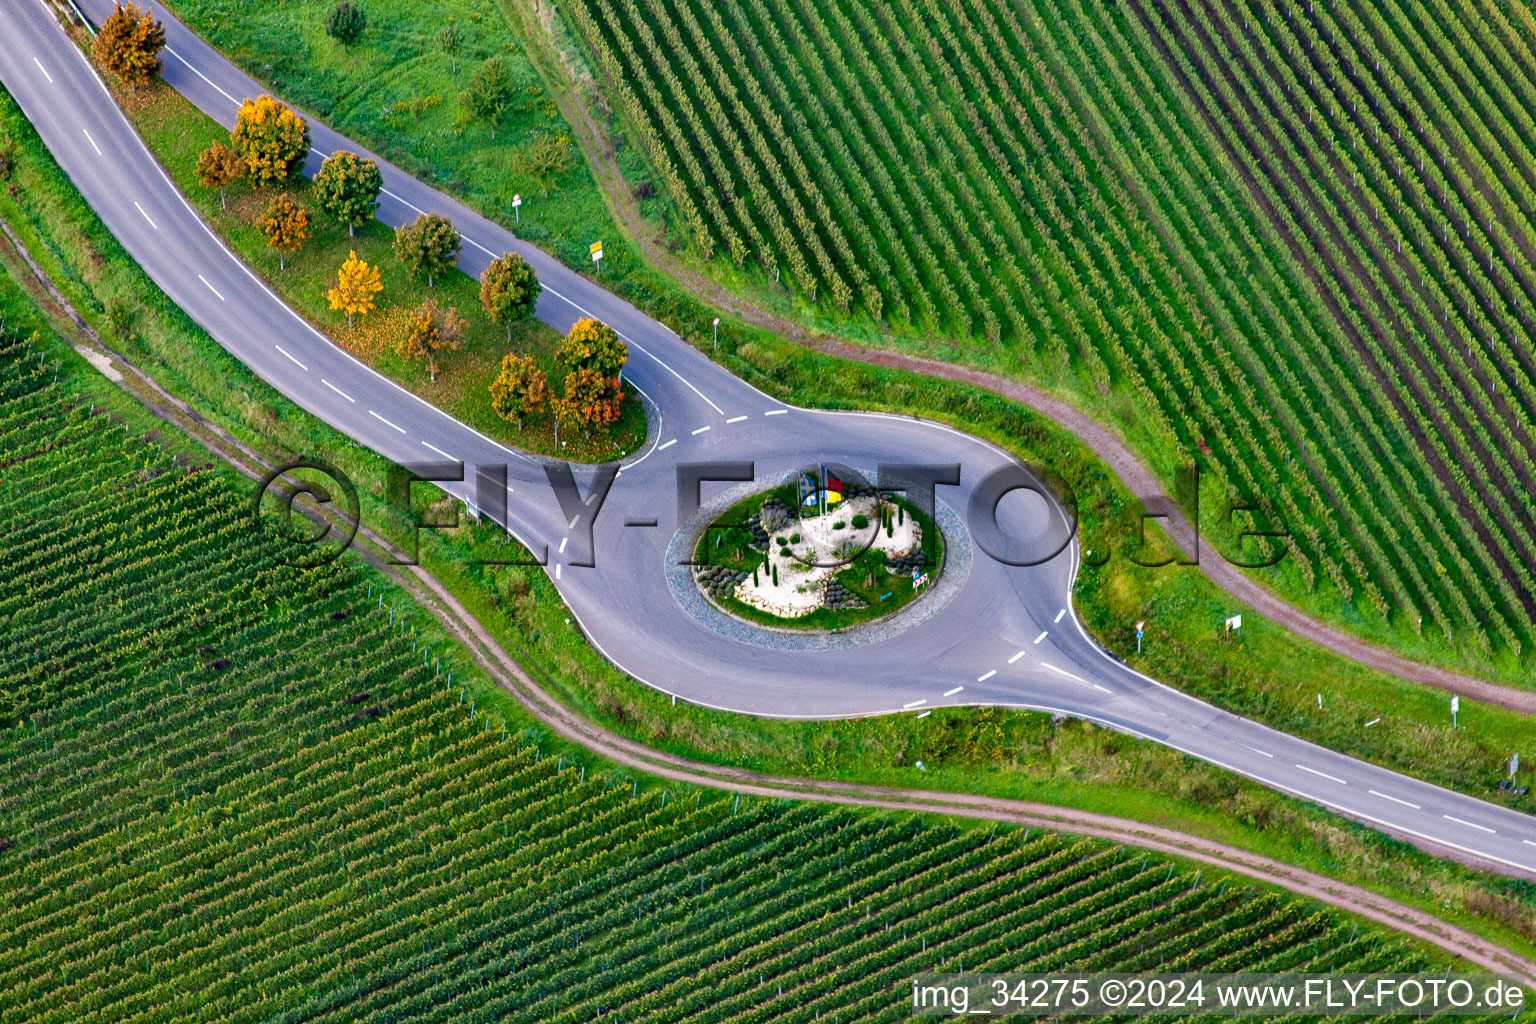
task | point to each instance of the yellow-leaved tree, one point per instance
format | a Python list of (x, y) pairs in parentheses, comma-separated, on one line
[(357, 282), (271, 139)]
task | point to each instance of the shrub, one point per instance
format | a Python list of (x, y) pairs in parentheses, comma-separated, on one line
[(860, 522)]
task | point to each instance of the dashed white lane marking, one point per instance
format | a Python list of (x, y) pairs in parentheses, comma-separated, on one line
[(211, 288), (1102, 689), (563, 542), (776, 412), (925, 714), (1256, 750), (1325, 775), (199, 74), (669, 444), (572, 524), (1043, 634), (557, 570), (439, 451), (1069, 675), (1528, 842), (915, 703), (146, 216), (43, 70), (735, 419), (701, 430), (92, 141), (1470, 824), (983, 678), (1059, 615), (1016, 657), (1396, 800), (338, 390), (300, 365), (951, 693), (384, 421)]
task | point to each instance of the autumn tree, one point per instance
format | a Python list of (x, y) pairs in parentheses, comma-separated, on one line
[(431, 329), (542, 158), (345, 22), (357, 282), (591, 399), (271, 139), (508, 290), (489, 93), (519, 389), (347, 187), (450, 39), (129, 44), (286, 224), (428, 246), (218, 166), (592, 345)]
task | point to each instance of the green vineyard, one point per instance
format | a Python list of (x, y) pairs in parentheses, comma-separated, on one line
[(1260, 224), (236, 791)]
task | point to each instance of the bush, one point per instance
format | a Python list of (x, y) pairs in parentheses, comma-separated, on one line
[(860, 522), (839, 525), (794, 538), (345, 22), (774, 518)]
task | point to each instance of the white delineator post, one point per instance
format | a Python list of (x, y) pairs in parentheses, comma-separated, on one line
[(517, 201)]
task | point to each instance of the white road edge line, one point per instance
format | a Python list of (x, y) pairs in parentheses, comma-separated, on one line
[(43, 70), (295, 362), (381, 419), (735, 419), (439, 451), (1470, 824), (915, 703), (776, 412), (669, 444), (1396, 800), (951, 693), (983, 678), (204, 77), (1059, 615), (1043, 634), (92, 141), (1325, 775), (338, 390), (211, 288), (701, 430), (146, 216), (1016, 657)]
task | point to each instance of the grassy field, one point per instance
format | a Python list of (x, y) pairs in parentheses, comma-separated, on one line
[(1231, 258), (243, 792), (176, 132), (1269, 674)]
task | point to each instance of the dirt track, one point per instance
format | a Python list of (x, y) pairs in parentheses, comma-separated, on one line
[(1105, 442), (511, 676)]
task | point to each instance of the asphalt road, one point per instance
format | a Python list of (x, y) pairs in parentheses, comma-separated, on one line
[(1003, 635)]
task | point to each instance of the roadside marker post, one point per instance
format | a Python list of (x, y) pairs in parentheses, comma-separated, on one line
[(596, 249), (717, 335), (1455, 707), (517, 201), (1140, 632)]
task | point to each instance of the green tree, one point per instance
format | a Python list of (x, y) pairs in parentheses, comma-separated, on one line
[(271, 139), (218, 166), (347, 187), (592, 345), (450, 39), (509, 290), (129, 44), (543, 158), (489, 93), (286, 225), (519, 389), (345, 22), (428, 246), (431, 329)]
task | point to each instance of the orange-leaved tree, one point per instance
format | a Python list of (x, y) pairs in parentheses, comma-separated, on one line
[(519, 389), (129, 44), (286, 224), (431, 329)]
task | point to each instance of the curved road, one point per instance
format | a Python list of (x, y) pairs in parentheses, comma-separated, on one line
[(1006, 635)]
